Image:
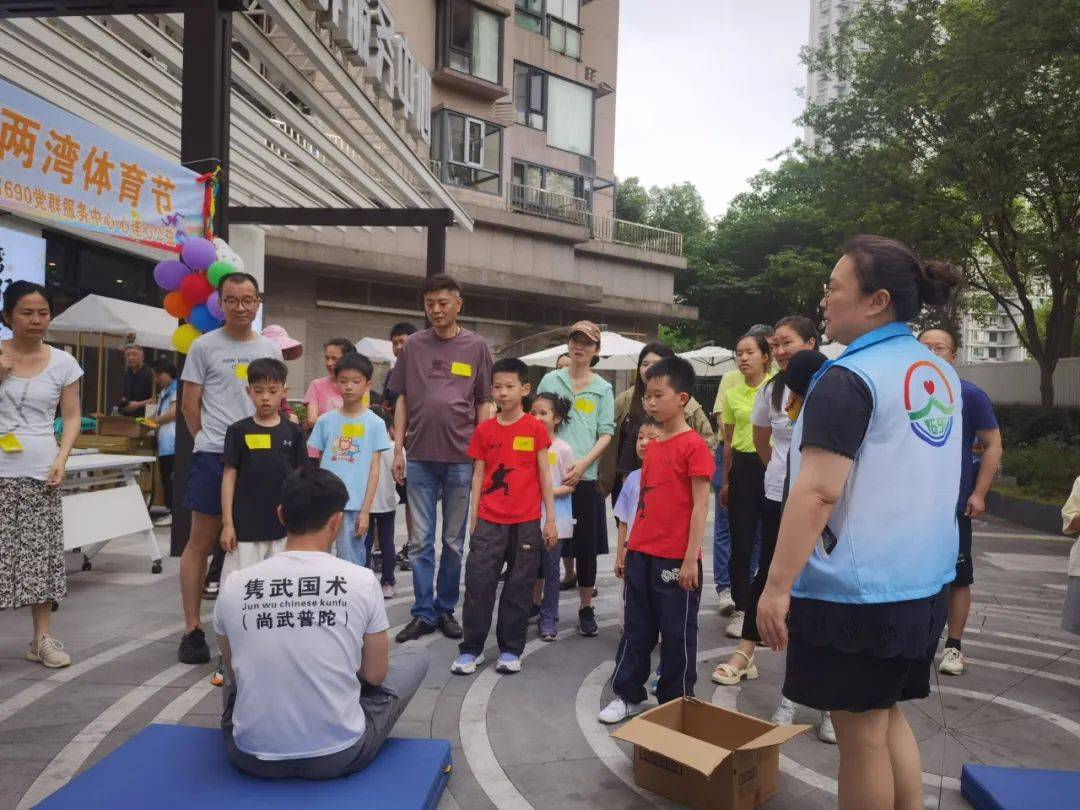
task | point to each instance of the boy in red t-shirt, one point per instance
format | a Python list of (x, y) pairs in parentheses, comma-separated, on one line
[(661, 567), (510, 481)]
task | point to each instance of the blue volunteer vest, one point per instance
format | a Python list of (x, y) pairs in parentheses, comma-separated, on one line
[(892, 535)]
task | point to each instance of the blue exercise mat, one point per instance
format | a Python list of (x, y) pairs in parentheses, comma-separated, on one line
[(185, 768), (990, 787)]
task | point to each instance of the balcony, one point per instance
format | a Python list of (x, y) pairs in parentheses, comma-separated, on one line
[(575, 210)]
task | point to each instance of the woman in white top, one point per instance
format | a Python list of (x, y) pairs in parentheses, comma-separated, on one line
[(772, 427), (34, 379)]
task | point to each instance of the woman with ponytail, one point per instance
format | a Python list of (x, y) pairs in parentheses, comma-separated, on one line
[(859, 583)]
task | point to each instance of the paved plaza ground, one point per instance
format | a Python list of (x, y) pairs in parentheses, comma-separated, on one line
[(531, 739)]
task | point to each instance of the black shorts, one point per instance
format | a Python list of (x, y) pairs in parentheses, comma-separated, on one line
[(825, 678), (402, 492), (965, 570)]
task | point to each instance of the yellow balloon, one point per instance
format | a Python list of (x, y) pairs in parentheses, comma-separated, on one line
[(183, 337)]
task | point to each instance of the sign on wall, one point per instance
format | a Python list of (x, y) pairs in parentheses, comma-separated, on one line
[(22, 258), (54, 166)]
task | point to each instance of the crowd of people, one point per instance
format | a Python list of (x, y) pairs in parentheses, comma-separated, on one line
[(823, 545)]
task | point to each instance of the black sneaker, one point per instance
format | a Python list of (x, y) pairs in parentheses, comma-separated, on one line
[(193, 649), (449, 626), (586, 622), (568, 584), (405, 565), (210, 590), (414, 630)]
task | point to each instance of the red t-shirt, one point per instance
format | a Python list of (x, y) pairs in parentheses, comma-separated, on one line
[(665, 500), (511, 491)]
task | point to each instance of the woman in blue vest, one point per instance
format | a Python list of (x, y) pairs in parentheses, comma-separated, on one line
[(868, 539)]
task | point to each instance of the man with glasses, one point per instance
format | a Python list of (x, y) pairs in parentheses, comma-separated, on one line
[(214, 378)]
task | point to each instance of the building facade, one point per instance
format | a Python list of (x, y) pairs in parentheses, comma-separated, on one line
[(502, 111), (991, 337), (825, 18)]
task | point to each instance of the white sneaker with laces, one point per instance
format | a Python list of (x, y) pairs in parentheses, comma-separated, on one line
[(825, 732), (952, 662), (725, 604), (734, 627), (49, 652), (784, 714), (165, 520), (388, 591), (618, 710)]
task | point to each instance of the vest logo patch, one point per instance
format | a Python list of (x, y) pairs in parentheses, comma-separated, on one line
[(929, 402)]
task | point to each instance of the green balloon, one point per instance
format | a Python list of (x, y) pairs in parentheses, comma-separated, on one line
[(218, 270)]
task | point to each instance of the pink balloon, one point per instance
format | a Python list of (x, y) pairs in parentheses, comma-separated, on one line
[(169, 274), (214, 306), (198, 254)]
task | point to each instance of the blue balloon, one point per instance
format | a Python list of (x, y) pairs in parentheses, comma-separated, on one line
[(202, 319)]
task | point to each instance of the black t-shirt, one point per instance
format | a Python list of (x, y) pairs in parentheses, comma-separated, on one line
[(138, 387), (838, 412), (263, 458)]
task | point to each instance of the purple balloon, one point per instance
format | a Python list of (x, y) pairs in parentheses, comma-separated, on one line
[(214, 306), (198, 254), (168, 274)]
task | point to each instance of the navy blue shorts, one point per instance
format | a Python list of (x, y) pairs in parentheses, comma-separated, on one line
[(203, 492), (965, 565)]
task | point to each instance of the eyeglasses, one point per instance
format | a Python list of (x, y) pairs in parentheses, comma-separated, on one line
[(236, 303), (825, 292)]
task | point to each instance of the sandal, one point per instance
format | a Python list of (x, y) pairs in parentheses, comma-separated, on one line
[(728, 675)]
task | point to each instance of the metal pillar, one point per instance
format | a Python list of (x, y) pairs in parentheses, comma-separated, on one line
[(204, 146)]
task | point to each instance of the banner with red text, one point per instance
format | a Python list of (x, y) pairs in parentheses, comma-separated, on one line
[(54, 166)]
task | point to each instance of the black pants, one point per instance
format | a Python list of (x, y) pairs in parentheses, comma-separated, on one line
[(519, 546), (746, 503), (165, 467), (770, 530), (590, 531), (382, 524), (654, 605)]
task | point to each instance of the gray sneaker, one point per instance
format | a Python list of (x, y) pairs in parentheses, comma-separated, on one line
[(49, 652)]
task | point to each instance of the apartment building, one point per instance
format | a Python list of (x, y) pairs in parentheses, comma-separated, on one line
[(991, 337)]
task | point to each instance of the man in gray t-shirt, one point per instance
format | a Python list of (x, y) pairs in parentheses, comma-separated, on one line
[(215, 396)]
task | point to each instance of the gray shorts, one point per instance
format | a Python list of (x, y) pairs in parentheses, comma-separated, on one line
[(382, 704)]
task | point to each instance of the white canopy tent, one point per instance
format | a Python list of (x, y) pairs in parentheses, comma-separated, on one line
[(710, 361), (152, 327), (376, 350), (617, 353)]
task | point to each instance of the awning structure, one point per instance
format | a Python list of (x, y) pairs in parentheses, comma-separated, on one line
[(152, 326), (376, 350), (617, 353), (710, 361)]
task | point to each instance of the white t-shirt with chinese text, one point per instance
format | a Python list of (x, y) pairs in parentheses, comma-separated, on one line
[(763, 415), (296, 624)]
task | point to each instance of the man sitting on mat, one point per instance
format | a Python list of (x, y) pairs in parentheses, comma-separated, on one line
[(311, 691)]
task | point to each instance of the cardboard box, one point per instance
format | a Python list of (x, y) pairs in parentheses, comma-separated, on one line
[(705, 757), (121, 426)]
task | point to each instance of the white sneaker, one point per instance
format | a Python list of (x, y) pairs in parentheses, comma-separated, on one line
[(734, 627), (49, 652), (726, 603), (952, 662), (784, 714), (618, 710), (466, 664), (825, 732), (165, 520), (388, 591)]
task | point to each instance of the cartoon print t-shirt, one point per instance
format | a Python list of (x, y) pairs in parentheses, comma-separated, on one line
[(346, 446), (511, 489), (665, 496)]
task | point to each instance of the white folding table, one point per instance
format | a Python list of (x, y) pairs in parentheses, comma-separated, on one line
[(103, 501)]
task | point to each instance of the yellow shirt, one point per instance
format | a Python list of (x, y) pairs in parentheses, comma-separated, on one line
[(730, 378), (738, 402)]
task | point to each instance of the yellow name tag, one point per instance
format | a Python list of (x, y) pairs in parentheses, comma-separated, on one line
[(584, 405), (524, 443), (9, 443), (461, 370), (258, 441), (552, 458), (354, 431), (240, 370)]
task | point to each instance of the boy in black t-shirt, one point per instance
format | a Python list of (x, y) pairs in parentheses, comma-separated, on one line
[(260, 452)]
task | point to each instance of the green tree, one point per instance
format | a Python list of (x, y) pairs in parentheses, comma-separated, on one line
[(631, 200), (960, 133)]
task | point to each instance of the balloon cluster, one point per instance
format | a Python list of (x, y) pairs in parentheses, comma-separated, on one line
[(191, 284)]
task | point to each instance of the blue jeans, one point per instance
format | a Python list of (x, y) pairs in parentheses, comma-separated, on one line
[(430, 482), (722, 532), (350, 547)]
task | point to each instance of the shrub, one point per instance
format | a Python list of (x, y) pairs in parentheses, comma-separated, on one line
[(1046, 469)]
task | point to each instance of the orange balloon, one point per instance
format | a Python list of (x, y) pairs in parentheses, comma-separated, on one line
[(176, 306)]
